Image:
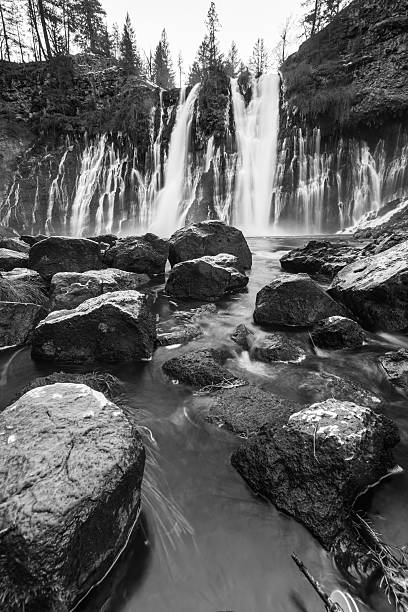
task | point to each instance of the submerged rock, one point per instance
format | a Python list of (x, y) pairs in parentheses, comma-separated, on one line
[(337, 333), (294, 300), (142, 254), (320, 258), (69, 289), (375, 289), (395, 364), (12, 259), (243, 336), (206, 278), (63, 254), (209, 238), (179, 334), (113, 327), (17, 322), (71, 468), (314, 467), (199, 369), (276, 347), (23, 285)]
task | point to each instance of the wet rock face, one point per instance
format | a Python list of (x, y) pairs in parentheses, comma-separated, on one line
[(209, 238), (243, 336), (14, 244), (319, 258), (206, 278), (12, 259), (314, 467), (70, 289), (112, 327), (375, 289), (17, 322), (395, 365), (182, 333), (71, 468), (276, 347), (199, 369), (321, 386), (23, 285), (62, 254), (337, 333), (294, 300), (142, 254)]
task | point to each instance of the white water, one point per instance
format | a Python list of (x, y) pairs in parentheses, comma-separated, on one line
[(256, 128)]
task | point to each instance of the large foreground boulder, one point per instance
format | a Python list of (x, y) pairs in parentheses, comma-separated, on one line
[(320, 258), (199, 369), (17, 322), (209, 238), (112, 327), (70, 289), (71, 468), (142, 254), (63, 254), (314, 467), (375, 289), (395, 365), (277, 347), (12, 259), (206, 278), (23, 285), (294, 300), (337, 333)]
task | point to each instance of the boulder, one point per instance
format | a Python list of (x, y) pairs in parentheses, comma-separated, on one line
[(63, 254), (314, 467), (337, 333), (30, 240), (206, 278), (294, 300), (14, 244), (142, 254), (69, 289), (209, 238), (104, 382), (375, 289), (320, 258), (199, 369), (17, 322), (23, 285), (178, 334), (246, 410), (71, 467), (395, 365), (109, 239), (243, 336), (112, 327), (320, 386), (12, 259), (276, 347)]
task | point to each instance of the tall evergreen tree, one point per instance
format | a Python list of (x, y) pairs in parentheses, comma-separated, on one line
[(130, 59), (233, 63), (163, 68), (259, 62), (91, 31), (208, 55)]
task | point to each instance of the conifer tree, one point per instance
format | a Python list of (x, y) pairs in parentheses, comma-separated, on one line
[(130, 59), (233, 63), (163, 68), (208, 55), (259, 61)]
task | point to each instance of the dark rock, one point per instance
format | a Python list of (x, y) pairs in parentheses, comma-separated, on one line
[(294, 300), (142, 254), (69, 289), (243, 336), (337, 333), (179, 335), (12, 259), (276, 347), (209, 238), (30, 240), (103, 382), (109, 239), (17, 322), (375, 289), (199, 369), (395, 364), (320, 258), (62, 254), (245, 410), (314, 467), (14, 244), (321, 386), (206, 278), (71, 468), (113, 327), (23, 285)]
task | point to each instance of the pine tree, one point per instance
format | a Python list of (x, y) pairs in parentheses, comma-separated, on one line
[(130, 59), (319, 13), (92, 34), (259, 62), (233, 63), (208, 55), (163, 67), (180, 65)]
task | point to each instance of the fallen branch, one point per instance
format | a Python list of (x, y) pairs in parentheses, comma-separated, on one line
[(330, 606)]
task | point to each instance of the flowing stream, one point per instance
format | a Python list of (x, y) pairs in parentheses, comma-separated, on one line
[(205, 542)]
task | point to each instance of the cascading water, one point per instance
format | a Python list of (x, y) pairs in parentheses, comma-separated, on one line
[(256, 128)]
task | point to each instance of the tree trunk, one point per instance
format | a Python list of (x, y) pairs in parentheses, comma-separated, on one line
[(6, 40), (34, 28), (44, 28)]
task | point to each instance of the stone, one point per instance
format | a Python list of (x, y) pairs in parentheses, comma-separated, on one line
[(109, 239), (206, 278), (14, 244), (209, 238), (17, 322), (243, 336), (375, 289), (23, 285), (314, 467), (30, 240), (337, 333), (395, 365), (276, 347), (199, 369), (69, 289), (104, 382), (320, 386), (63, 254), (141, 254), (12, 259), (179, 334), (246, 410), (320, 258), (113, 327), (294, 300), (71, 468)]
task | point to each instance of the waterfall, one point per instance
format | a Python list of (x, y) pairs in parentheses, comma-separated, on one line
[(256, 128), (58, 197)]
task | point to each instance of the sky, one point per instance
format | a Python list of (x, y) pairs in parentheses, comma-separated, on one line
[(184, 21)]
